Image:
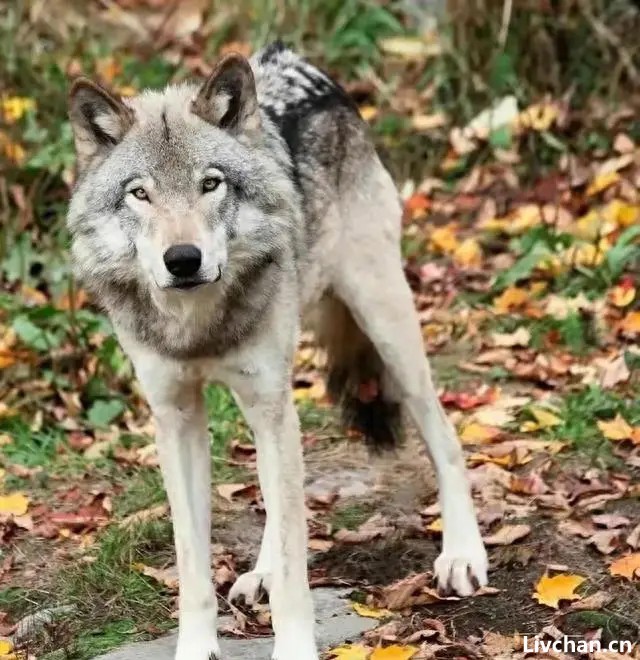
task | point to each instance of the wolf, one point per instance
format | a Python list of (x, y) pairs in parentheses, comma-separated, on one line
[(213, 222)]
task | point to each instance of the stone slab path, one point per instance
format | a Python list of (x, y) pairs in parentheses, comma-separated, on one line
[(336, 623)]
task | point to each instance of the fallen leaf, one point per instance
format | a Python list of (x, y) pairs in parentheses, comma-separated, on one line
[(436, 526), (394, 653), (6, 646), (616, 429), (166, 576), (545, 419), (15, 504), (520, 337), (478, 434), (154, 513), (230, 491), (627, 566), (622, 296), (593, 602), (444, 240), (350, 652), (511, 299), (551, 590), (370, 612), (468, 254), (630, 324), (601, 182), (507, 535)]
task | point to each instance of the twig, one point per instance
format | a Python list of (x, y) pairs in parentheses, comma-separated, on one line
[(507, 12)]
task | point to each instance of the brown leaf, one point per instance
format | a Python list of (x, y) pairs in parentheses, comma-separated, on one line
[(507, 535)]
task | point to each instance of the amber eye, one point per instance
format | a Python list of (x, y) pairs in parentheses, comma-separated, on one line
[(140, 193), (210, 183)]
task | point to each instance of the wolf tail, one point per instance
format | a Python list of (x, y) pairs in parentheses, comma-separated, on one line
[(356, 378)]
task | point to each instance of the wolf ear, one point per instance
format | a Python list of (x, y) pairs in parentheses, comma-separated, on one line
[(228, 97), (99, 119)]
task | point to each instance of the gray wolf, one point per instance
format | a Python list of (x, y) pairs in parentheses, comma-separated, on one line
[(211, 222)]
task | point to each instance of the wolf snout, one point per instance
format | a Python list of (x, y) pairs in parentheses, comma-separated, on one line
[(183, 260)]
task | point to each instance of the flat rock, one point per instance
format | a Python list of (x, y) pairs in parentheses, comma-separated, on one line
[(337, 623)]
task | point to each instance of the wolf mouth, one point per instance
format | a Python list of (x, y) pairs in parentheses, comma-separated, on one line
[(188, 284)]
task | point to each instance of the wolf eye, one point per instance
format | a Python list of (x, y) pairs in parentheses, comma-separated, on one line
[(140, 193), (210, 183)]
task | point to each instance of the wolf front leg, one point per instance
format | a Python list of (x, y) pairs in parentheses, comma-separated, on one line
[(183, 448), (267, 403)]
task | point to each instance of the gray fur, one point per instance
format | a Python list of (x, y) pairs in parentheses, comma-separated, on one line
[(287, 172)]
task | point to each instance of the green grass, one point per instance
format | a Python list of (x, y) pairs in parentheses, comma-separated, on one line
[(350, 516), (580, 412)]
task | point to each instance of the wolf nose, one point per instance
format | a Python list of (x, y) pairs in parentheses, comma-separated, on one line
[(183, 260)]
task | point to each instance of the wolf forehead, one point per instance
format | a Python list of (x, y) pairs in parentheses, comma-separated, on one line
[(166, 129)]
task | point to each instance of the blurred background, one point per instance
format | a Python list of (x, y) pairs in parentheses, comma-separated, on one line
[(511, 128)]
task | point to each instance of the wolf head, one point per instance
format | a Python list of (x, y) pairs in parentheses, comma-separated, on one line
[(175, 188)]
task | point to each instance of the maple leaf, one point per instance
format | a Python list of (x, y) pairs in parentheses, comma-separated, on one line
[(394, 653), (350, 652), (551, 590), (14, 504), (627, 566), (443, 239)]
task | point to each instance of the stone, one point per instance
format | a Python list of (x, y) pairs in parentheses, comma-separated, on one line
[(336, 623)]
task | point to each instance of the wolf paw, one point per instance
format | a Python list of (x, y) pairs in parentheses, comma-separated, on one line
[(250, 588), (463, 571)]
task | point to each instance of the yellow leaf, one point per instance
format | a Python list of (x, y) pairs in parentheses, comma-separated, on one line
[(443, 239), (468, 254), (6, 646), (628, 214), (510, 299), (350, 652), (551, 590), (478, 434), (435, 526), (14, 107), (616, 429), (394, 653), (602, 182), (370, 612), (544, 417), (524, 218), (538, 117), (621, 296), (631, 323), (15, 504), (627, 566), (368, 112)]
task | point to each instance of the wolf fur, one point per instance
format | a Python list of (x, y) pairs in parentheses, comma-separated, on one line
[(267, 170)]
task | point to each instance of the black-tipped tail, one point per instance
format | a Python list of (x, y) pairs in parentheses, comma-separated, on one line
[(356, 380)]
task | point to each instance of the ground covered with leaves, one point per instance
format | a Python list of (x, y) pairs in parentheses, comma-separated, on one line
[(514, 140)]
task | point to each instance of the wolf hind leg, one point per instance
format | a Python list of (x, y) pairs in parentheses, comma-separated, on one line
[(371, 283)]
